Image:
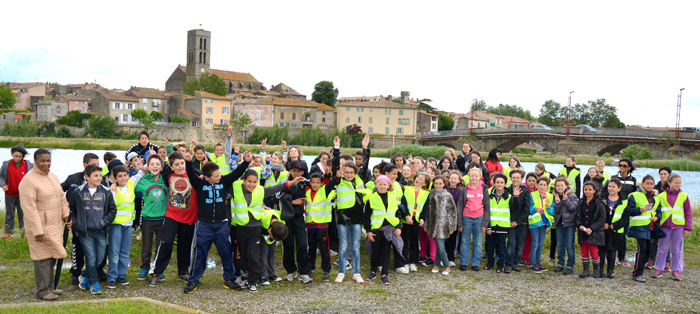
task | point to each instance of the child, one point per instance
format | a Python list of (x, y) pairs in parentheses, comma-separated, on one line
[(273, 229), (441, 222), (414, 198), (595, 176), (541, 212), (419, 164), (400, 163), (391, 171), (600, 166), (431, 162), (617, 217), (155, 203), (531, 186), (409, 174), (664, 172), (676, 223), (11, 174), (318, 216), (590, 221), (92, 209), (499, 222), (572, 173), (292, 204), (519, 212), (445, 163), (454, 186), (473, 205), (200, 158), (376, 172), (643, 205), (293, 154), (383, 225), (565, 204), (278, 173), (107, 157), (121, 230), (143, 147), (513, 163), (213, 226), (427, 244), (541, 171), (476, 158), (629, 185), (493, 162), (134, 165), (222, 155)]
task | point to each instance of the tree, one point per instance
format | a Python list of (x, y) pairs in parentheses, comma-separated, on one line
[(424, 104), (445, 122), (143, 117), (74, 118), (398, 101), (325, 93), (207, 82), (596, 113), (480, 105), (552, 114), (240, 121), (178, 119), (511, 111), (63, 132), (101, 127), (155, 115), (353, 129), (7, 98)]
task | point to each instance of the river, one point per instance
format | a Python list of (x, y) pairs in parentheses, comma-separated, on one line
[(69, 161)]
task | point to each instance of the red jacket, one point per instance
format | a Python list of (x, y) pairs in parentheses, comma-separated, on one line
[(493, 167), (14, 176)]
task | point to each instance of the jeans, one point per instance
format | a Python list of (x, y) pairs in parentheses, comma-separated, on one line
[(354, 232), (537, 235), (119, 248), (471, 230), (94, 247), (565, 242), (514, 248), (441, 254)]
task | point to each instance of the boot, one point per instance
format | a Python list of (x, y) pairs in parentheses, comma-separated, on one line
[(596, 269), (586, 272), (611, 270), (602, 268)]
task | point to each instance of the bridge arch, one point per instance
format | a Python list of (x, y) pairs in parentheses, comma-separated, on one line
[(510, 145), (447, 144), (613, 149)]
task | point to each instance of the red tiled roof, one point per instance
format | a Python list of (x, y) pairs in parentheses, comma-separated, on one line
[(427, 114), (282, 102), (145, 92), (210, 95), (378, 104), (229, 75), (118, 96), (188, 113)]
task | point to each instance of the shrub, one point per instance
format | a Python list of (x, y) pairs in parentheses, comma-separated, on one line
[(636, 152), (23, 129), (63, 132)]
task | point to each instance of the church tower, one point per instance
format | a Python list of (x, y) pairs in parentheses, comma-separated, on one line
[(198, 48)]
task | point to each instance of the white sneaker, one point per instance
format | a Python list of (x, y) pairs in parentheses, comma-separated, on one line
[(340, 278), (445, 272), (452, 264), (290, 276), (334, 253), (435, 270), (305, 278), (412, 267), (402, 270), (358, 278)]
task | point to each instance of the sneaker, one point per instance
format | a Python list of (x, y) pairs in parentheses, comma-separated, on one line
[(385, 280), (264, 282), (305, 279), (358, 278), (507, 270), (326, 277), (184, 277), (412, 267), (290, 276), (445, 272), (516, 268), (6, 236), (657, 274), (111, 284), (161, 277), (83, 283), (253, 287), (142, 275), (500, 269), (96, 289), (568, 271), (232, 285), (371, 275), (154, 281), (639, 279), (402, 270), (427, 263), (624, 263), (191, 287), (667, 268), (340, 277), (452, 264), (475, 268), (558, 269), (463, 267), (75, 279), (123, 281), (275, 278), (535, 269), (524, 263), (435, 270), (541, 267), (334, 253), (242, 283), (552, 262), (50, 297), (676, 276), (101, 275), (649, 266), (487, 267)]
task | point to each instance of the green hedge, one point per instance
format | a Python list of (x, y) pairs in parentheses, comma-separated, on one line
[(417, 150)]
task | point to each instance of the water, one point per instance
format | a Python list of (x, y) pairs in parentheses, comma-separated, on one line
[(68, 161)]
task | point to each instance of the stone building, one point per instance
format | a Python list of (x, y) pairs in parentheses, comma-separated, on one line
[(27, 94), (150, 99), (76, 102), (426, 122), (270, 111), (379, 117), (116, 105), (50, 110), (212, 110)]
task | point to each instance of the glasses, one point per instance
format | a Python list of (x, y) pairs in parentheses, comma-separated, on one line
[(624, 166)]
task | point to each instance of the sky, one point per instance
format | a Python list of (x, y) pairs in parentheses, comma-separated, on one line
[(635, 54)]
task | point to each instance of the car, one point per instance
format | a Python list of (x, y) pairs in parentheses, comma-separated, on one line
[(690, 128), (541, 127), (586, 128)]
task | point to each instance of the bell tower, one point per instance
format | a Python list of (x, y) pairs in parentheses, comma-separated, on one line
[(198, 48)]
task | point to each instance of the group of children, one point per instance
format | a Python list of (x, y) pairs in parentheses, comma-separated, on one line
[(423, 211)]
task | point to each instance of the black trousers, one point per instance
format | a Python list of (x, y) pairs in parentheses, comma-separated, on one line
[(185, 233), (236, 252), (641, 258), (249, 242), (451, 245), (138, 206), (297, 235), (497, 242), (604, 254), (553, 245), (150, 229), (381, 248), (318, 238), (411, 251)]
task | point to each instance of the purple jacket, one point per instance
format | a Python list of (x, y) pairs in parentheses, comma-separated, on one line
[(671, 197)]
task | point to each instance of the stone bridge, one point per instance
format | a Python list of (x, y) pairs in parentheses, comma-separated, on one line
[(661, 144)]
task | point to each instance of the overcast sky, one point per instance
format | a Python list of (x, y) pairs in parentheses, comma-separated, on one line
[(635, 54)]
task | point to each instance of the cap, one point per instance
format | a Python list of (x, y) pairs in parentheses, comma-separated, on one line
[(112, 164), (131, 156), (297, 164)]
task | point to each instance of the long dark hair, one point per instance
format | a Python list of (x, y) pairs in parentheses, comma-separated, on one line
[(594, 186), (493, 155)]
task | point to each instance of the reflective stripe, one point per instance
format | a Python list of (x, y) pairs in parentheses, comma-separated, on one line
[(376, 221), (360, 186), (241, 216), (640, 218), (533, 216), (500, 218), (120, 213), (378, 212), (309, 204), (617, 216), (347, 198), (665, 209), (124, 204), (344, 189), (320, 214), (500, 210), (239, 205)]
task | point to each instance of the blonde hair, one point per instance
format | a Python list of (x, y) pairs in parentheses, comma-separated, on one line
[(481, 174), (599, 162)]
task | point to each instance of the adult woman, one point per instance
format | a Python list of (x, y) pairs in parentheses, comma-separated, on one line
[(11, 174), (493, 162), (45, 207), (464, 158)]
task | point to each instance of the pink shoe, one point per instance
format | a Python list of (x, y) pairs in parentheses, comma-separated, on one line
[(624, 263), (667, 268), (657, 274), (675, 276)]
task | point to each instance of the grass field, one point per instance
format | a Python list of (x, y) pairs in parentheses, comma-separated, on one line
[(132, 306)]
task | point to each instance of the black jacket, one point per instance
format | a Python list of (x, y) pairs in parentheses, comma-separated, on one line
[(72, 182), (616, 241), (212, 204), (463, 161), (352, 215), (520, 205), (77, 209), (139, 149), (593, 219), (629, 186)]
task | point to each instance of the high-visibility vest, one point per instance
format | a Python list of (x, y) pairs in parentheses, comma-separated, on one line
[(319, 209), (397, 191), (266, 221), (125, 205), (271, 180), (606, 178), (381, 212), (346, 192), (369, 185), (222, 162), (240, 208), (617, 215), (644, 218), (258, 170), (537, 217), (500, 211), (571, 176), (415, 206), (674, 211)]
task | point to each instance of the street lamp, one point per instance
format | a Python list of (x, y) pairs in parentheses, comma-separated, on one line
[(568, 119), (678, 114), (471, 124)]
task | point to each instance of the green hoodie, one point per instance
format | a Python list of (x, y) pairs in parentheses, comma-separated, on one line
[(155, 196)]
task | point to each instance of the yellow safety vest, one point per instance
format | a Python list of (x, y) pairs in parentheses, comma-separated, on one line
[(500, 211), (346, 192), (643, 219), (537, 217), (222, 162), (319, 209), (370, 185), (240, 208), (125, 205), (571, 176), (397, 191), (266, 221), (606, 178), (617, 215), (271, 181), (415, 206), (380, 212), (675, 211)]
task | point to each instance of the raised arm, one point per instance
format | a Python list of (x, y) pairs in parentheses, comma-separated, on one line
[(238, 172)]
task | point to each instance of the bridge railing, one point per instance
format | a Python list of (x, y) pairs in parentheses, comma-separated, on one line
[(562, 130)]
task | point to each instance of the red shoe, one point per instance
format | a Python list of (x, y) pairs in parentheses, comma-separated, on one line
[(675, 276), (6, 236), (657, 274), (624, 263), (667, 268), (649, 266)]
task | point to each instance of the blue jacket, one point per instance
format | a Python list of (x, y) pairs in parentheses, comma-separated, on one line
[(550, 211), (639, 232)]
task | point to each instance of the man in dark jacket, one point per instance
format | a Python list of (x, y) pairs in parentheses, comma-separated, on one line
[(519, 211)]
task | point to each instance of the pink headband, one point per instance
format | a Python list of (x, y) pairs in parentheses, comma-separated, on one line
[(383, 177)]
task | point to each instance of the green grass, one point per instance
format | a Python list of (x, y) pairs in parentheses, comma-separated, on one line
[(682, 164), (114, 306)]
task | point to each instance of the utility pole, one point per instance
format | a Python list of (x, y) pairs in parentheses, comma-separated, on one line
[(471, 124), (568, 119), (678, 114)]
